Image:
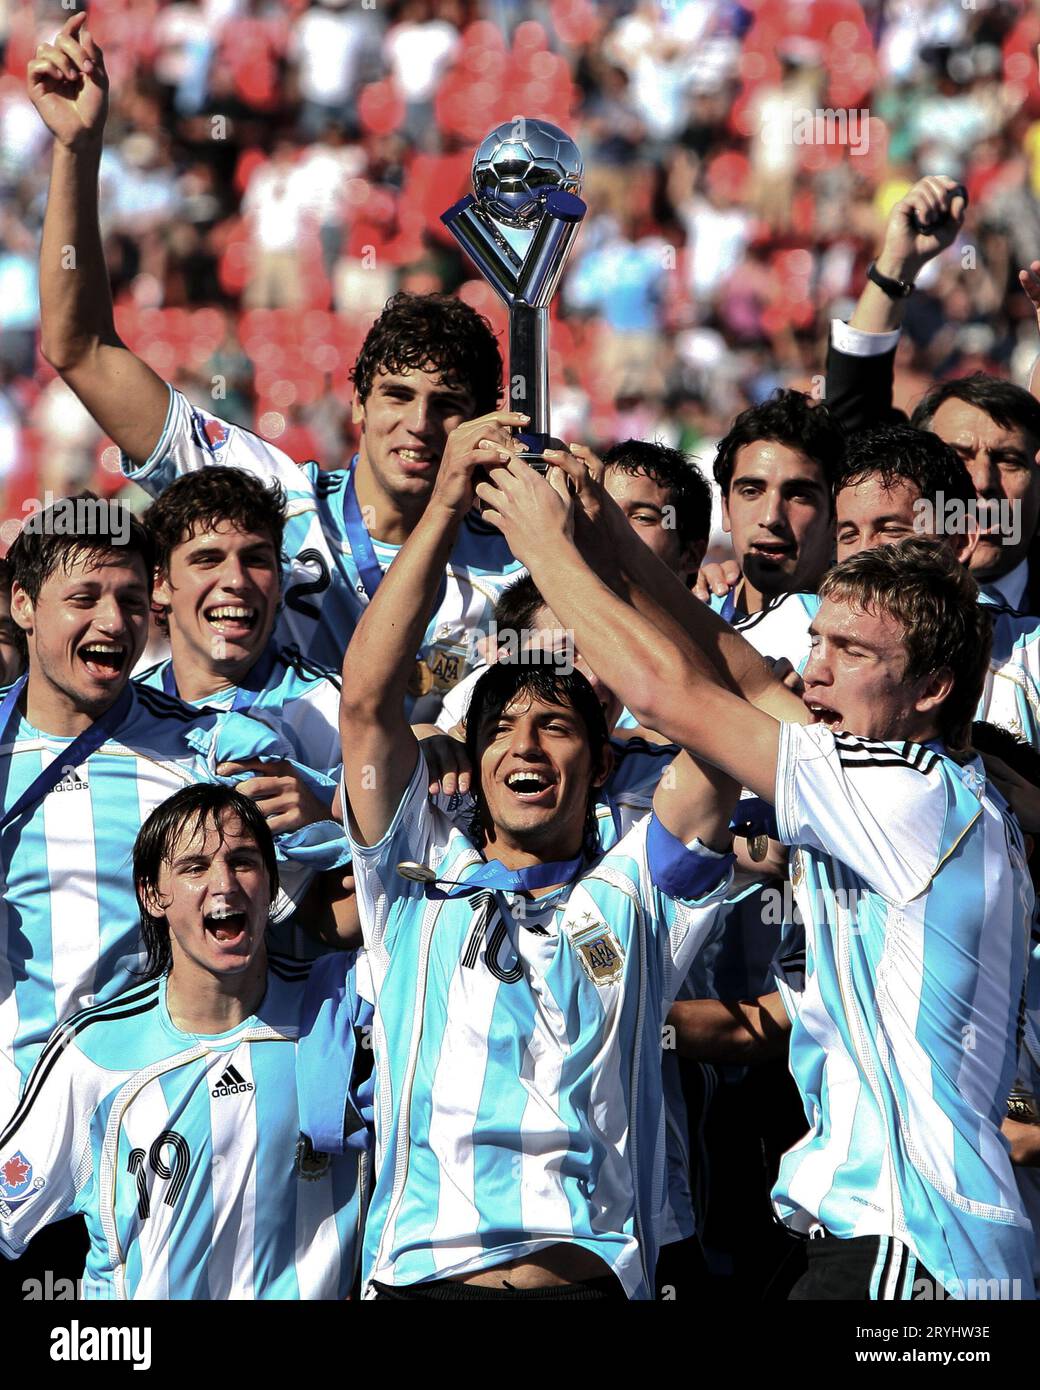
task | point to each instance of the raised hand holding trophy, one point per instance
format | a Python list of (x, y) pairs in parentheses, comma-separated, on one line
[(518, 230)]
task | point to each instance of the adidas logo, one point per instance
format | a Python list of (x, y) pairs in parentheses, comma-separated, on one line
[(231, 1083)]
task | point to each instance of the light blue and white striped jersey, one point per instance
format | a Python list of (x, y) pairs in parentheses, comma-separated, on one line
[(322, 593), (781, 629), (185, 1155), (1011, 695), (69, 921), (910, 877), (518, 1062), (295, 697)]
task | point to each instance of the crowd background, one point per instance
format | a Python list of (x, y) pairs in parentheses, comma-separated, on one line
[(274, 171)]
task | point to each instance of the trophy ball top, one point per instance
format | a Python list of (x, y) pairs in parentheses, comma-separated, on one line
[(518, 164)]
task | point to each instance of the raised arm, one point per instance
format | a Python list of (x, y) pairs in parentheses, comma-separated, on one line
[(614, 551), (379, 748), (667, 682), (68, 86)]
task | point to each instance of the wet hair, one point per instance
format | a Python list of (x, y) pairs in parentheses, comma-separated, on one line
[(191, 811), (199, 501), (496, 690), (899, 453), (433, 332), (1009, 405), (689, 491), (103, 528), (932, 596), (790, 418)]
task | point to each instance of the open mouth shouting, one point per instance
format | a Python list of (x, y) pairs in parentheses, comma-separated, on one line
[(531, 786), (823, 714), (105, 661), (232, 620), (228, 928)]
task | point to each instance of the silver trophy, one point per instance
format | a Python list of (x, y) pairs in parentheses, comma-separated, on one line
[(518, 230)]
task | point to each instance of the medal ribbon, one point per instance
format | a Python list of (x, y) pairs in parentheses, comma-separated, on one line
[(497, 877), (78, 751), (247, 693)]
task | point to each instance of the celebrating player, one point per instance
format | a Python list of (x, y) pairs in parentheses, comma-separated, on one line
[(87, 753), (427, 367), (172, 1117), (518, 975), (911, 880)]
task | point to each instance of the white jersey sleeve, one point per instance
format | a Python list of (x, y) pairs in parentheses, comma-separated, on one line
[(418, 833), (192, 438), (681, 889), (886, 810), (45, 1158)]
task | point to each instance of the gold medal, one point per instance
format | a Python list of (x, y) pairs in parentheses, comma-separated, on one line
[(758, 847), (421, 680)]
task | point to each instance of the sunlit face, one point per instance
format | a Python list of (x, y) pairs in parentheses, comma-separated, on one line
[(650, 512), (221, 594), (215, 896), (87, 628), (11, 660), (778, 511), (1002, 464), (405, 423), (855, 677), (550, 637), (536, 773)]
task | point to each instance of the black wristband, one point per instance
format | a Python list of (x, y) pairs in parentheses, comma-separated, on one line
[(895, 289)]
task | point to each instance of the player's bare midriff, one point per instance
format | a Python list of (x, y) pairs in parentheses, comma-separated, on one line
[(557, 1264)]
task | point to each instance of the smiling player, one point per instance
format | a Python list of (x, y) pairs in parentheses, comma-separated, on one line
[(522, 977), (87, 753), (172, 1117), (910, 878), (427, 367)]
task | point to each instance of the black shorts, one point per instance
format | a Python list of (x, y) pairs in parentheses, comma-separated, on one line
[(863, 1269)]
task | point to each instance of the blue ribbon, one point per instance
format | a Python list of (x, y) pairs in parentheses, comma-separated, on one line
[(370, 572), (247, 692), (496, 876), (78, 751), (729, 606)]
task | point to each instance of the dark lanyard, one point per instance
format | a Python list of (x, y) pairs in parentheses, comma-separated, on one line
[(78, 751), (497, 877)]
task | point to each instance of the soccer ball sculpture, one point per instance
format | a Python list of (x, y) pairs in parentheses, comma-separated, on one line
[(518, 164)]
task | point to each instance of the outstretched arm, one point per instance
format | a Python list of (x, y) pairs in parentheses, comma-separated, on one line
[(668, 682), (610, 546), (68, 86), (379, 748)]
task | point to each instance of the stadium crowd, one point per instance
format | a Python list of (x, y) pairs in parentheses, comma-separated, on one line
[(489, 893)]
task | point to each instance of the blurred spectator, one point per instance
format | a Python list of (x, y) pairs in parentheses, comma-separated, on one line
[(276, 206), (332, 45)]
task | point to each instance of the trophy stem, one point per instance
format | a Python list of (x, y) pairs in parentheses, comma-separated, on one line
[(529, 367)]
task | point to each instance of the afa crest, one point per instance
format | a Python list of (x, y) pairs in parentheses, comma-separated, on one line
[(599, 952)]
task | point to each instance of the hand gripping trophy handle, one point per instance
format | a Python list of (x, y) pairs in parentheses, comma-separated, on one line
[(526, 284)]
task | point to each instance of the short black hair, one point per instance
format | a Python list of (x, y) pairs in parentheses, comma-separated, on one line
[(900, 453), (791, 418), (199, 501), (518, 604), (5, 577), (46, 540), (689, 491), (1009, 405), (543, 680), (1020, 756), (424, 332), (193, 808)]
